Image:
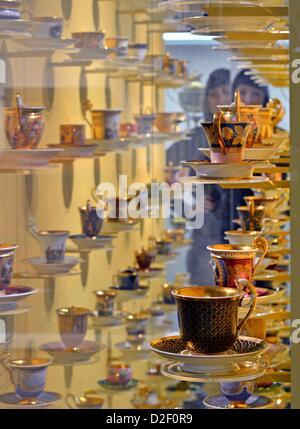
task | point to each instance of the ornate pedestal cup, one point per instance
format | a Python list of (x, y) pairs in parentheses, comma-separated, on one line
[(232, 263)]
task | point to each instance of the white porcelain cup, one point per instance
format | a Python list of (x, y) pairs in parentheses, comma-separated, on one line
[(242, 238), (53, 244), (47, 27)]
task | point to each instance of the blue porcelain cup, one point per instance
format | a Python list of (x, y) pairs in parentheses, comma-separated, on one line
[(237, 391), (127, 280), (91, 220), (7, 252), (168, 298), (145, 123), (29, 377)]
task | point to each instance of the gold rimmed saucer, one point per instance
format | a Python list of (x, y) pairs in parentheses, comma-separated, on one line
[(245, 372), (244, 349)]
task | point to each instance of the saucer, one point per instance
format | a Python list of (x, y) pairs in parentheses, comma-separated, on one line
[(118, 387), (267, 296), (58, 351), (15, 25), (128, 295), (16, 293), (115, 227), (44, 400), (266, 275), (274, 390), (266, 262), (193, 180), (91, 54), (132, 352), (150, 273), (85, 243), (107, 321), (222, 24), (246, 371), (73, 152), (254, 402), (241, 170), (46, 43), (111, 145), (173, 348), (33, 158), (41, 266), (251, 154)]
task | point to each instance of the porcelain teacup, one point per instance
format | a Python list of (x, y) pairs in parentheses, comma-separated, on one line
[(24, 125), (85, 402), (144, 258), (89, 40), (7, 252), (127, 280), (167, 296), (73, 135), (91, 219), (47, 27), (105, 302), (119, 45), (53, 245), (72, 323), (232, 263), (29, 377), (119, 374), (216, 327), (242, 238), (252, 218)]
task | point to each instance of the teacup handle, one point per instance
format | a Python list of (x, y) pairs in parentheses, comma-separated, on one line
[(243, 284), (86, 106), (237, 103), (261, 244), (27, 12), (70, 397), (278, 108), (116, 280), (217, 129), (282, 201), (267, 224)]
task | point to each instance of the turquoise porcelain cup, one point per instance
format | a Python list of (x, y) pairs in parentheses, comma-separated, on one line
[(29, 377)]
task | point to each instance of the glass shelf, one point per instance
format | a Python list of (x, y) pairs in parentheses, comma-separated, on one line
[(14, 310), (35, 276)]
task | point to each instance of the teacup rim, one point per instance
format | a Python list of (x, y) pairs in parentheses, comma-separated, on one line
[(105, 292), (243, 233), (47, 19), (120, 365), (7, 247), (90, 401), (24, 363), (232, 248), (246, 208), (45, 233), (232, 293), (78, 311)]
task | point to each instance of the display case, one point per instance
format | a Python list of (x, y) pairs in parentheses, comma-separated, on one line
[(145, 234)]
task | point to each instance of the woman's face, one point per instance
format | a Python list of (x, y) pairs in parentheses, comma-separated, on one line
[(251, 95), (219, 96)]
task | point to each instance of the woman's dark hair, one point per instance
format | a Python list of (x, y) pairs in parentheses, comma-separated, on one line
[(217, 78), (243, 79)]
